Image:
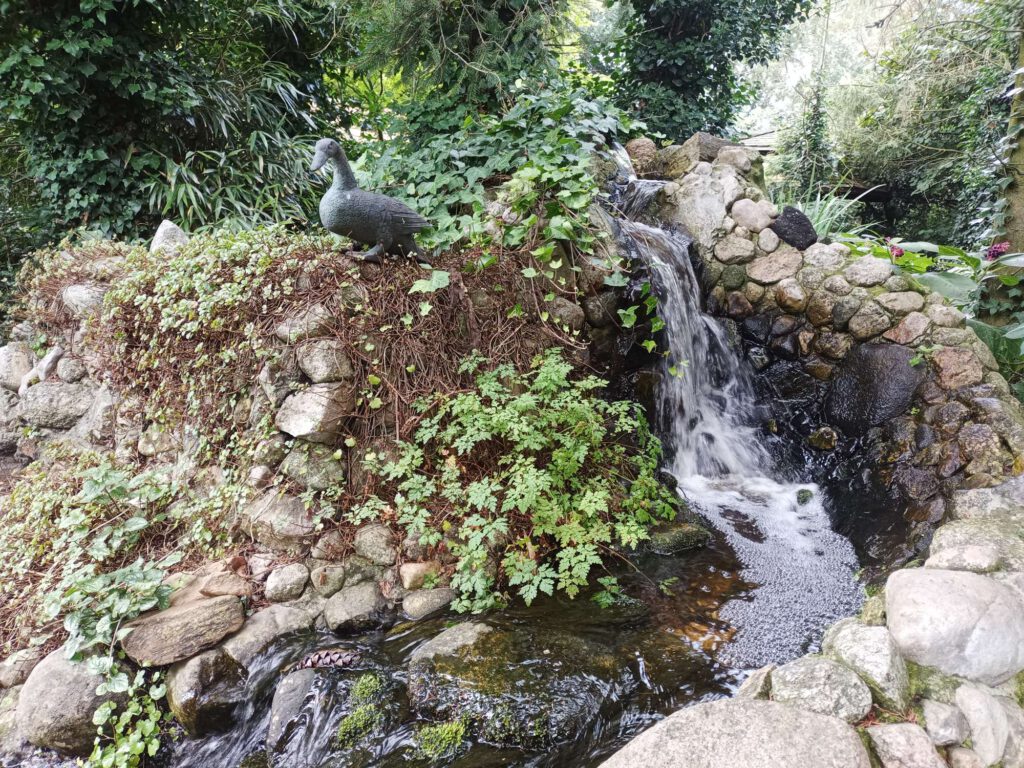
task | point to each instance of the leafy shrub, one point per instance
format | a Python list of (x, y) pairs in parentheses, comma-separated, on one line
[(529, 479), (111, 116), (448, 156)]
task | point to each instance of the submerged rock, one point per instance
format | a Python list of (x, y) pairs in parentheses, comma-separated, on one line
[(521, 687), (734, 733), (677, 536)]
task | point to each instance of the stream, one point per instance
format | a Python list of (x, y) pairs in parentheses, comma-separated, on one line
[(773, 576)]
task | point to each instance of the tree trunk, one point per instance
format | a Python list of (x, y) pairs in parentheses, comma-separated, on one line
[(1015, 164)]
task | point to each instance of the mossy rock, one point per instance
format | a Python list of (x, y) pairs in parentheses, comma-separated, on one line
[(526, 687), (929, 683), (679, 536)]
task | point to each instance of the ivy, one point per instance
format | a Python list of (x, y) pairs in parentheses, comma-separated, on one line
[(529, 480)]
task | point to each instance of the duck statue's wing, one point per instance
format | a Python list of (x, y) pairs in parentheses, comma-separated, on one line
[(404, 220)]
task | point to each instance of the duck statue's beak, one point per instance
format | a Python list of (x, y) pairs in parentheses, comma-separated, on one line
[(319, 158)]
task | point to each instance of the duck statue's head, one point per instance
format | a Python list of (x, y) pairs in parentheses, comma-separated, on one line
[(326, 149)]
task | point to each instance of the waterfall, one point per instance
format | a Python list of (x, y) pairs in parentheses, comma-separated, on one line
[(804, 572)]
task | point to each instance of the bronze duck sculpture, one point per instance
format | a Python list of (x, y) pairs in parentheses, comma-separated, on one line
[(367, 218)]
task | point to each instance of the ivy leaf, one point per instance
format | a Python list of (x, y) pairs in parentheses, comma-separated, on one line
[(439, 279), (628, 316)]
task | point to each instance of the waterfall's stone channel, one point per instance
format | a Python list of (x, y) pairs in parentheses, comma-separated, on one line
[(707, 412)]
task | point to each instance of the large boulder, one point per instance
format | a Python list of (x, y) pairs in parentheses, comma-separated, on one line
[(318, 412), (507, 692), (959, 622), (204, 691), (822, 686), (16, 360), (875, 383), (55, 404), (182, 631), (278, 520), (735, 733), (57, 703), (872, 654)]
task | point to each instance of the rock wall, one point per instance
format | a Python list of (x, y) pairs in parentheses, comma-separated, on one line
[(867, 372)]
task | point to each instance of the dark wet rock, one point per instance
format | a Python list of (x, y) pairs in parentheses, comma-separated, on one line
[(915, 483), (875, 383), (738, 306), (844, 309), (677, 536), (824, 439), (56, 705), (522, 687), (793, 227), (947, 418), (757, 328), (204, 691), (784, 325), (820, 308), (289, 699), (786, 347)]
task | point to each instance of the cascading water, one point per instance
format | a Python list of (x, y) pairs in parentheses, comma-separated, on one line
[(804, 572)]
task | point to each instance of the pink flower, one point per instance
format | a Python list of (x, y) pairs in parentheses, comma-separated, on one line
[(996, 250), (896, 252)]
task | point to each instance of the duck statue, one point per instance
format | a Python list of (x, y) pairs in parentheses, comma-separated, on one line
[(369, 219)]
